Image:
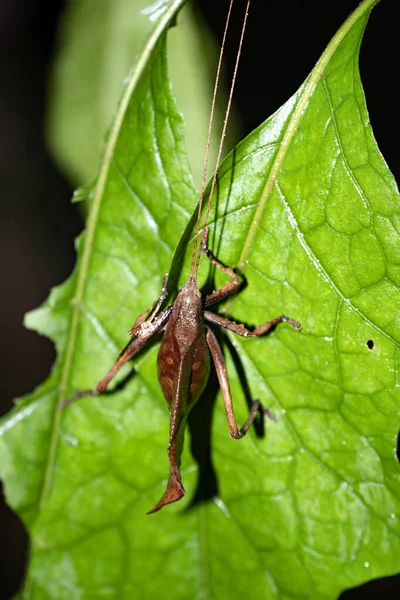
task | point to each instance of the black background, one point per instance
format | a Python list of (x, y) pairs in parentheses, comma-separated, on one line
[(37, 221)]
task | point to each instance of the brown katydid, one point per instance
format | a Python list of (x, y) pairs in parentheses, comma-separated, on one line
[(184, 354)]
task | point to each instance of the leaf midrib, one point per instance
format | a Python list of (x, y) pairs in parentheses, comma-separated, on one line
[(304, 98), (89, 236)]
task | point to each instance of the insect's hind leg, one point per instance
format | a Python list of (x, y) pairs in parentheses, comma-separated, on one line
[(223, 379), (230, 286)]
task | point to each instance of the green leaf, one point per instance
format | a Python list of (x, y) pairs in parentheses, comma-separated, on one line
[(96, 45), (307, 209)]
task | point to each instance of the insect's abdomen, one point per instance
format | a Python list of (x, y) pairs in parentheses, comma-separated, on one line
[(200, 369), (168, 364), (183, 358)]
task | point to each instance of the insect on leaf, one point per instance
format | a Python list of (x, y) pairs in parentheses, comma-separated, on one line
[(307, 209)]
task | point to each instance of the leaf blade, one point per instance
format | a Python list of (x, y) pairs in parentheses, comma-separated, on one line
[(297, 512)]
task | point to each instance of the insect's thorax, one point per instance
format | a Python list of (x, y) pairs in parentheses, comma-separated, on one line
[(183, 351), (186, 320)]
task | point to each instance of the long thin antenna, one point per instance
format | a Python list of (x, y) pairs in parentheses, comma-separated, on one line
[(197, 246), (193, 270)]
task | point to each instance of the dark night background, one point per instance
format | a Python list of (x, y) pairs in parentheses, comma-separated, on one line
[(38, 224)]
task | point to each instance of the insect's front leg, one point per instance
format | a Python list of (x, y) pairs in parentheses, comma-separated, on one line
[(230, 287), (151, 311), (223, 379), (146, 331)]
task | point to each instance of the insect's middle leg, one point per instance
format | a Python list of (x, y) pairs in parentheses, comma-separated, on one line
[(223, 379), (240, 329), (129, 352)]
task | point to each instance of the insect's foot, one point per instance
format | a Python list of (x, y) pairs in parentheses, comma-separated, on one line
[(268, 412), (263, 410), (295, 324), (75, 397)]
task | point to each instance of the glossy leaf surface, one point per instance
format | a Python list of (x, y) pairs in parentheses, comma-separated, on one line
[(308, 211)]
